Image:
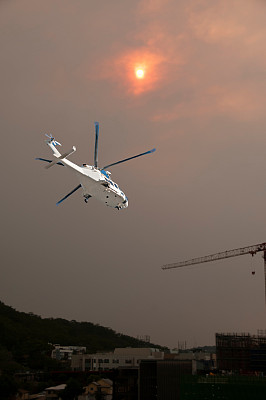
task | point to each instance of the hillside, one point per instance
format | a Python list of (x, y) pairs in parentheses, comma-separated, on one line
[(25, 338)]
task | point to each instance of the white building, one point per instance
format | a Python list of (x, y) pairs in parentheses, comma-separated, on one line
[(66, 352), (121, 357)]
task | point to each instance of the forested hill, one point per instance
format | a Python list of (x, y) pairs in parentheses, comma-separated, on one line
[(24, 337)]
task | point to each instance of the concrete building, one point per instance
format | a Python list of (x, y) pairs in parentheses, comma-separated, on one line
[(66, 352), (121, 357), (201, 361), (162, 379)]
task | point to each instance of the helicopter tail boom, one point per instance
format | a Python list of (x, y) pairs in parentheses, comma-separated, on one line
[(60, 157)]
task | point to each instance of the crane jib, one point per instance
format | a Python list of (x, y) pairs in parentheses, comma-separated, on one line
[(219, 256)]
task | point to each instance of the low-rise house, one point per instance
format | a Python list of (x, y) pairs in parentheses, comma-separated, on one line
[(25, 395), (22, 394), (53, 392), (102, 386)]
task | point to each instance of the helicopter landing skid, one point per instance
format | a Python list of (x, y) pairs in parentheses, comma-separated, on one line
[(86, 197)]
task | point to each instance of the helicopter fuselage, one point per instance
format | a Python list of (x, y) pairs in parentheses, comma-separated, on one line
[(97, 183)]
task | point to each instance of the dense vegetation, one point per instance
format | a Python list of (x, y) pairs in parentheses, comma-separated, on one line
[(25, 338)]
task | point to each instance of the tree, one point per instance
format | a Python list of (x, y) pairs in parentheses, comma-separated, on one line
[(8, 387), (72, 390)]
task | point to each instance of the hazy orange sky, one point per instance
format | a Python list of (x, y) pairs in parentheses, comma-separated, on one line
[(201, 103)]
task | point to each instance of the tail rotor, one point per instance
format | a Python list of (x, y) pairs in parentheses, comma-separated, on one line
[(52, 140)]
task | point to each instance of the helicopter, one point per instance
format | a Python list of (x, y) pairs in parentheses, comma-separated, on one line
[(94, 181)]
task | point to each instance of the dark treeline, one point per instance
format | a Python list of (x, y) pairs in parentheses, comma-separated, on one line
[(25, 338)]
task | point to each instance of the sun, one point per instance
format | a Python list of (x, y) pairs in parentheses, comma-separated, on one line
[(140, 73)]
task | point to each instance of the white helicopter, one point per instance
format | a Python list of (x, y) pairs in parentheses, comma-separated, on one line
[(94, 181)]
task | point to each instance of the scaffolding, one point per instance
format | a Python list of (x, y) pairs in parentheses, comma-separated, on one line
[(242, 353)]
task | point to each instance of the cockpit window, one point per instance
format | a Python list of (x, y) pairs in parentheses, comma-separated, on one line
[(109, 180)]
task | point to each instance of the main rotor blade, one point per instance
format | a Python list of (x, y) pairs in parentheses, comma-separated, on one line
[(49, 161), (130, 158), (69, 194), (96, 124)]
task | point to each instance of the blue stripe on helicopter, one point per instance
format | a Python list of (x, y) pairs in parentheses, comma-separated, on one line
[(104, 173)]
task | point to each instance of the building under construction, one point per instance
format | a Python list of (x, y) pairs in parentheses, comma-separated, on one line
[(241, 353)]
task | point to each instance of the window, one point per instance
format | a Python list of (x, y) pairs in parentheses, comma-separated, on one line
[(106, 361), (87, 362), (128, 361)]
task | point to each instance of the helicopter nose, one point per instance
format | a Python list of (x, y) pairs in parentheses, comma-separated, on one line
[(125, 203)]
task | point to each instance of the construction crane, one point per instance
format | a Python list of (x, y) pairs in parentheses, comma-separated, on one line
[(225, 254)]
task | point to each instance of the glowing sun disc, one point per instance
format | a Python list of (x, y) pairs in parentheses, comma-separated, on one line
[(140, 73)]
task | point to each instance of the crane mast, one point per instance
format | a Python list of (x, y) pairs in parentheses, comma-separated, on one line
[(225, 254)]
